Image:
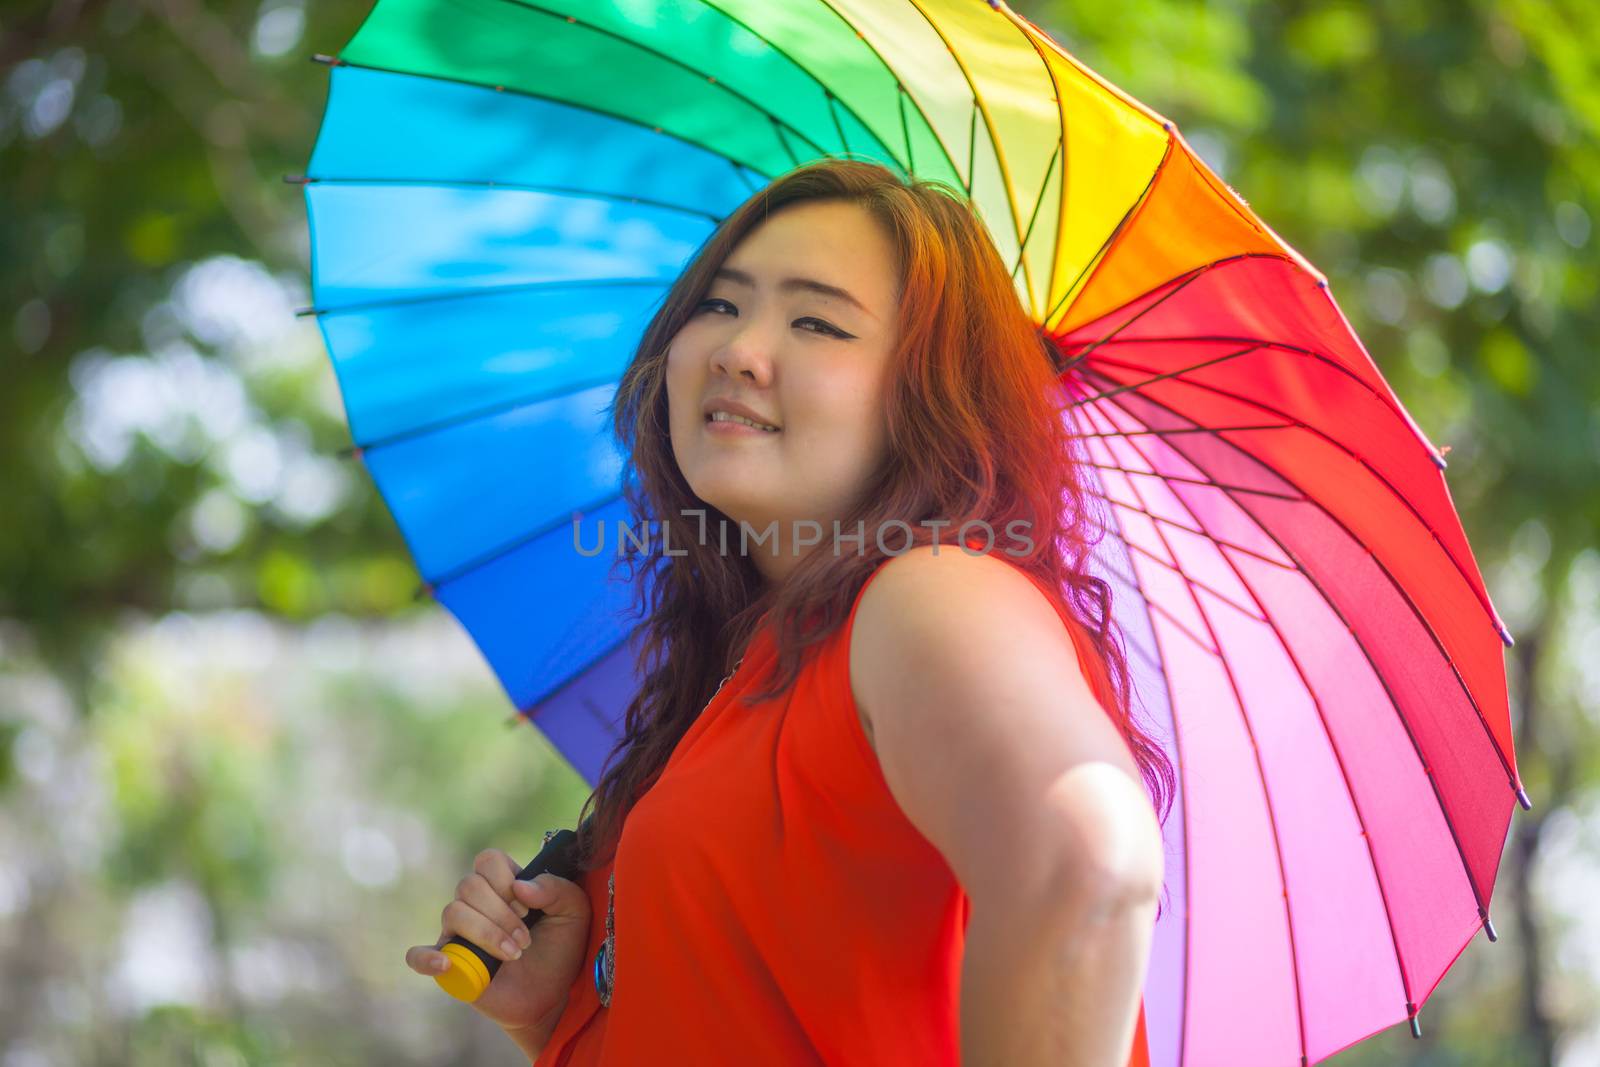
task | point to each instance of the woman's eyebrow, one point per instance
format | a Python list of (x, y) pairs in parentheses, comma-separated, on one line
[(793, 283)]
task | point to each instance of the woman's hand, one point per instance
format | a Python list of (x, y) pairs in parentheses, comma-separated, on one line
[(529, 990)]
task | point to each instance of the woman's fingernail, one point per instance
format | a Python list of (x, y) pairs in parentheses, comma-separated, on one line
[(441, 964), (510, 948)]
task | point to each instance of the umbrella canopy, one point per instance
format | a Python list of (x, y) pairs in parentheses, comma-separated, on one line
[(503, 189)]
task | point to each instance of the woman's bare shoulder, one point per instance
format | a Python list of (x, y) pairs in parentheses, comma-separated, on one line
[(930, 576), (980, 710), (961, 608)]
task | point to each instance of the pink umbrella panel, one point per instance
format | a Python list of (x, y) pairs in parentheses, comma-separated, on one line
[(1312, 650)]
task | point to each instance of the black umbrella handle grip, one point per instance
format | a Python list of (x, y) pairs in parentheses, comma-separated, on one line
[(473, 968)]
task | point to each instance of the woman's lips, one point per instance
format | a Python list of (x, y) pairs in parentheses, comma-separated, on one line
[(737, 429)]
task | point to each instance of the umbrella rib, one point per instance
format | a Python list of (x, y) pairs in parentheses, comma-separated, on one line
[(828, 93), (1195, 481), (482, 290), (594, 713), (563, 190), (1180, 283), (565, 102), (1176, 567), (1271, 410), (739, 172), (1181, 338), (366, 448), (777, 128), (528, 5), (1085, 275), (1061, 149), (1388, 401), (899, 85), (531, 710), (1241, 549), (1184, 277), (1355, 805), (483, 559), (1125, 574), (1150, 659), (1095, 265), (1038, 202), (1184, 629), (1165, 521), (1266, 796), (1444, 814), (832, 99), (1169, 374), (1144, 657), (823, 86), (905, 127), (1132, 578), (988, 123), (1207, 533), (1176, 431), (1178, 286), (1340, 446), (833, 113), (1433, 452), (972, 147)]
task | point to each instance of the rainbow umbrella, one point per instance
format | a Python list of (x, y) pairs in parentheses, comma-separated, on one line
[(502, 190)]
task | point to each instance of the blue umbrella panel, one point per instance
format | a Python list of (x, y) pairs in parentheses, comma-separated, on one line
[(483, 265)]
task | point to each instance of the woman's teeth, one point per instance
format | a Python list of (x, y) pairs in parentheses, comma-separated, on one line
[(726, 416)]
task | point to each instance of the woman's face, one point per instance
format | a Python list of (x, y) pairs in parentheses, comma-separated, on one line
[(798, 327)]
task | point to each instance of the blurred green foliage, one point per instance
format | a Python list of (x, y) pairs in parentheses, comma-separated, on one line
[(1438, 160)]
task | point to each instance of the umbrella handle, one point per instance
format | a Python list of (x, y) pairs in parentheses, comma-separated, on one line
[(472, 968)]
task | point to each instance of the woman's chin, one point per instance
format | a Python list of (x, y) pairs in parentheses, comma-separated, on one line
[(737, 515), (727, 498)]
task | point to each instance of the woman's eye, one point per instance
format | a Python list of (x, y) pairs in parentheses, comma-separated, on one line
[(826, 328)]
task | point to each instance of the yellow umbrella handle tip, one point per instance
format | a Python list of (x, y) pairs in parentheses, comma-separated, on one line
[(467, 977)]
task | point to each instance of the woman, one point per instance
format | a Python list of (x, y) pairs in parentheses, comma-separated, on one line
[(914, 823)]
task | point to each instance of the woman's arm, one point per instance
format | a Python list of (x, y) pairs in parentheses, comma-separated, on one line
[(532, 1040), (995, 748), (1059, 980)]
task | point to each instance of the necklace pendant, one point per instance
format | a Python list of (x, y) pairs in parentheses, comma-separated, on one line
[(601, 986), (605, 959)]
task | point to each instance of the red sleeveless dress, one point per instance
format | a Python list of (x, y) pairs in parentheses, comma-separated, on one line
[(773, 903)]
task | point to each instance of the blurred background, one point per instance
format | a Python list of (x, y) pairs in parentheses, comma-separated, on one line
[(243, 765)]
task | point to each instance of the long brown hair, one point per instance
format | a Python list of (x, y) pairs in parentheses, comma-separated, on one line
[(976, 432)]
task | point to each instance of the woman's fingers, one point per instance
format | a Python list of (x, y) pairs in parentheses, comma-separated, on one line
[(465, 920), (427, 959), (476, 891), (500, 871), (490, 909), (555, 896)]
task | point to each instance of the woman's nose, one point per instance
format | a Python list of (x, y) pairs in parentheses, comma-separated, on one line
[(748, 351)]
